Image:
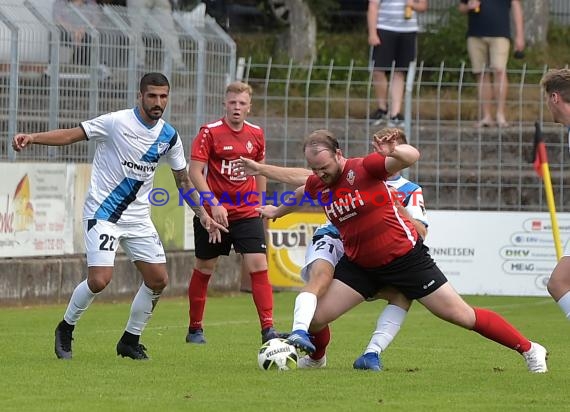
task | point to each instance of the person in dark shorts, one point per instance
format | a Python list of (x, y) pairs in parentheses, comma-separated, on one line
[(392, 33), (216, 147), (382, 247)]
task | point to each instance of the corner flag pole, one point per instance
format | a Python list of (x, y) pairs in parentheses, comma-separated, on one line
[(543, 170)]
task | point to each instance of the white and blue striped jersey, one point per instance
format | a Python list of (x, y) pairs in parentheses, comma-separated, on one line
[(391, 17), (411, 197), (126, 157)]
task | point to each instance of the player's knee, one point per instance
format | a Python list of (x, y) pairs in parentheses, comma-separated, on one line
[(158, 283), (400, 301), (97, 284), (320, 283), (557, 285)]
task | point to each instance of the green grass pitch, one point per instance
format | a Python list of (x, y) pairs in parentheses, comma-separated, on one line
[(431, 366)]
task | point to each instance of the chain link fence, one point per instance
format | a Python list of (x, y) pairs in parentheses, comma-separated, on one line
[(463, 167), (61, 64), (49, 80)]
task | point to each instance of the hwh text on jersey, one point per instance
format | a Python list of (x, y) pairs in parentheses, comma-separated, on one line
[(227, 169), (344, 205)]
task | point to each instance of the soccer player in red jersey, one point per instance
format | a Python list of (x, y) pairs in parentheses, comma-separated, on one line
[(382, 247), (231, 201)]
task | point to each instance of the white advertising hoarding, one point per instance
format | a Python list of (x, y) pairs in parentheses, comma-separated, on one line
[(36, 203), (495, 253)]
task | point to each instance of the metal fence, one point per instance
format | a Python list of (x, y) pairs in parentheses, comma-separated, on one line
[(49, 79), (43, 86), (462, 166)]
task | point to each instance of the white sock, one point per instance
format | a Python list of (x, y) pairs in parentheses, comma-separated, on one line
[(564, 303), (387, 327), (305, 306), (79, 302), (141, 309)]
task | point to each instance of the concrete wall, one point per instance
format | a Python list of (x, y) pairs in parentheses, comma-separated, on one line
[(52, 280)]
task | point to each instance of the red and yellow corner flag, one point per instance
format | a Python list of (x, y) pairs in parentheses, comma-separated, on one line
[(540, 165), (540, 158)]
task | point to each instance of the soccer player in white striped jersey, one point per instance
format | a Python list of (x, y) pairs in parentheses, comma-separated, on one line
[(129, 144)]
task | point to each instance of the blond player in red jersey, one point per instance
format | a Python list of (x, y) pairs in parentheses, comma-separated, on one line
[(382, 248), (231, 201)]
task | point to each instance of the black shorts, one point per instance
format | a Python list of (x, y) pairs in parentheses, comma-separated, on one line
[(394, 47), (246, 235), (415, 274)]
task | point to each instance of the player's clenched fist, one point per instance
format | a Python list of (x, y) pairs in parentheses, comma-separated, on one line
[(20, 141)]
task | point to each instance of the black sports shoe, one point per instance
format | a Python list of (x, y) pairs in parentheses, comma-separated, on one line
[(378, 117), (136, 352), (396, 121), (196, 336), (268, 334), (63, 338)]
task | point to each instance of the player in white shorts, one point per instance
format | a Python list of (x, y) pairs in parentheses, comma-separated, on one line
[(324, 253), (129, 144)]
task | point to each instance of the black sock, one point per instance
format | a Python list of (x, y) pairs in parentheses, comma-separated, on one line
[(63, 325), (130, 339)]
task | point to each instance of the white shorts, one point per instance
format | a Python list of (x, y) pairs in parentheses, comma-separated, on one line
[(140, 242), (327, 248)]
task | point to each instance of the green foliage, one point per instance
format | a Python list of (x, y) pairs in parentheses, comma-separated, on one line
[(322, 10), (559, 35), (431, 366), (444, 41)]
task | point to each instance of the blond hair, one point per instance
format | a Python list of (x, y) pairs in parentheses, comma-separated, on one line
[(239, 87), (557, 80)]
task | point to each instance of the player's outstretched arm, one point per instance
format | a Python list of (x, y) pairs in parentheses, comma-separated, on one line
[(184, 183), (289, 175), (400, 157), (275, 212), (58, 137)]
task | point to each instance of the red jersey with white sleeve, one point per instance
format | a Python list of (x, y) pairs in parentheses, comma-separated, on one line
[(217, 145), (359, 204)]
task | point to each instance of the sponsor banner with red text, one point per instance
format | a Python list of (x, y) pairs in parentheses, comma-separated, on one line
[(36, 201), (287, 241), (493, 253), (496, 253)]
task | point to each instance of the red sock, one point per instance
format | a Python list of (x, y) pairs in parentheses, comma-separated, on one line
[(262, 297), (321, 340), (197, 289), (494, 327)]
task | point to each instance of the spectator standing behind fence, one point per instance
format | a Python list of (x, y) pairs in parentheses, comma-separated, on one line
[(73, 29), (488, 45), (556, 86), (156, 13), (392, 33)]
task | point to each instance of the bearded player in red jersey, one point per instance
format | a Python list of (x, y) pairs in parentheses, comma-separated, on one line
[(214, 149), (382, 247)]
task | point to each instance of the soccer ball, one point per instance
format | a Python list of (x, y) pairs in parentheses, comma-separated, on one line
[(277, 354)]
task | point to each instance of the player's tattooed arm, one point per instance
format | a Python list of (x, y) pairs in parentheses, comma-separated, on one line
[(183, 182)]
